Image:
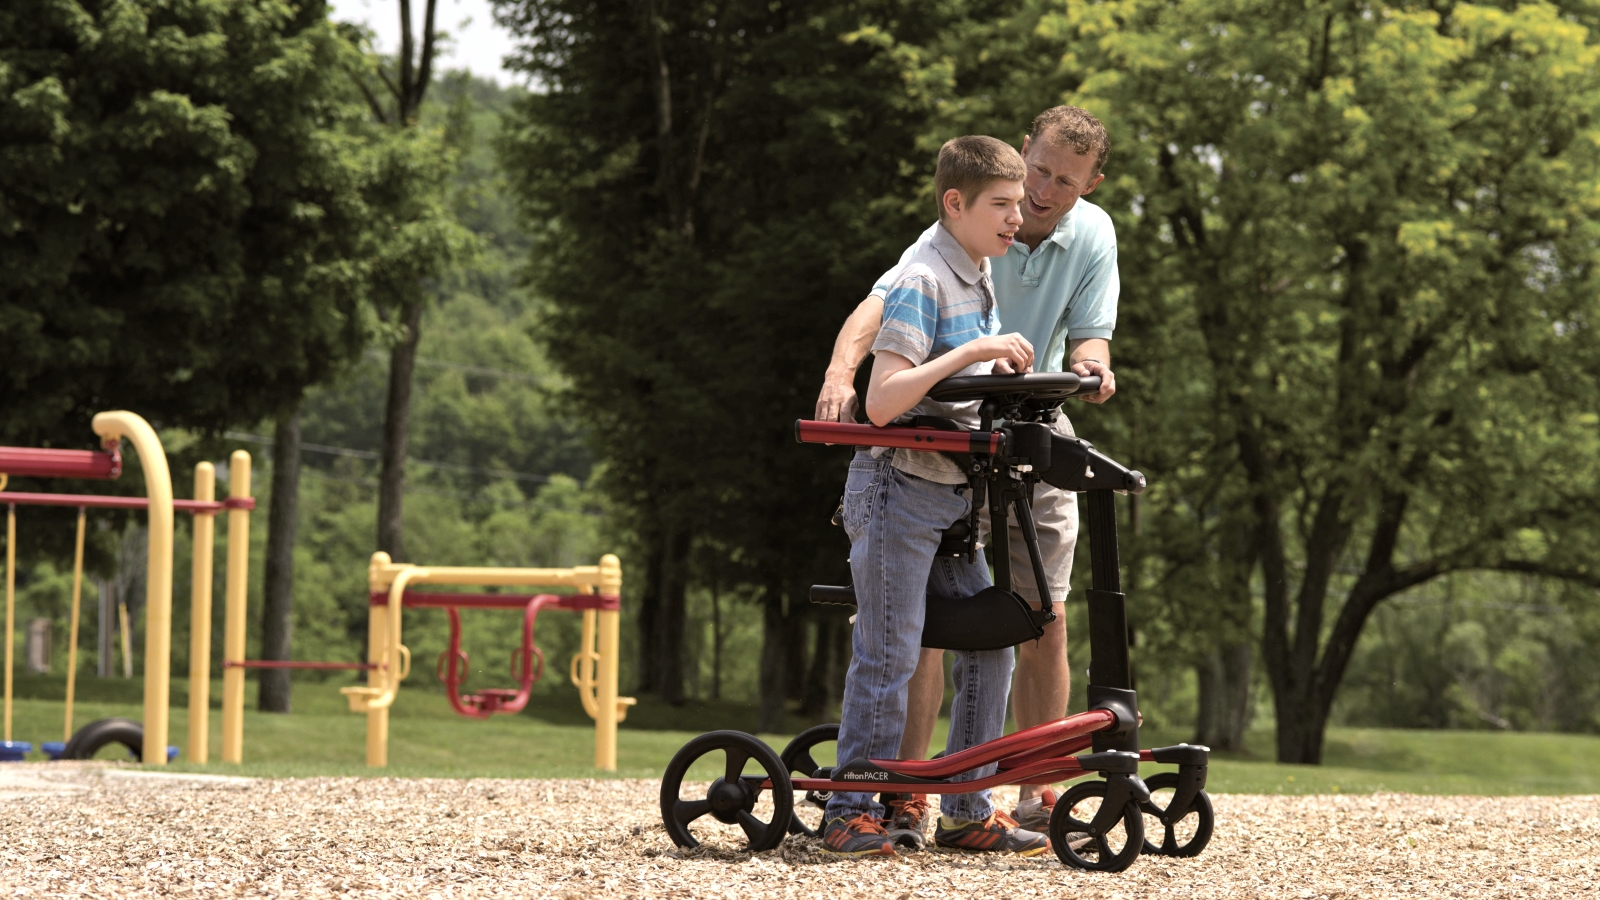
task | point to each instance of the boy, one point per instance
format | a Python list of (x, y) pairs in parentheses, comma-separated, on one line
[(939, 321)]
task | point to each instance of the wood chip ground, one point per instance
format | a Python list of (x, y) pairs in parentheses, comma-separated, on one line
[(81, 831)]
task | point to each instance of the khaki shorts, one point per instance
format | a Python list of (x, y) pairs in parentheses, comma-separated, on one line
[(1055, 517)]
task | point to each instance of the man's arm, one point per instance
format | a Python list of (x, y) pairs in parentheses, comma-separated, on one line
[(837, 402), (1092, 356)]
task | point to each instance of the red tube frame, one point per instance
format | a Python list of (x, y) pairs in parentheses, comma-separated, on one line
[(38, 462), (437, 600), (809, 431), (483, 704), (102, 501)]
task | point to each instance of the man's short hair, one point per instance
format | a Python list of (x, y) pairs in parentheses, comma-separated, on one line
[(970, 164), (1069, 126)]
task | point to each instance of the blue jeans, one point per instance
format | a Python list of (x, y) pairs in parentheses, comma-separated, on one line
[(894, 521)]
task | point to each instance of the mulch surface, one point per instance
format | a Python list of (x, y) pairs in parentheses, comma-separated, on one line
[(92, 831)]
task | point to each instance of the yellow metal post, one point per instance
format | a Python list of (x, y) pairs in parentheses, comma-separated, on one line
[(72, 631), (11, 602), (234, 598), (158, 574), (378, 716), (205, 489), (605, 724)]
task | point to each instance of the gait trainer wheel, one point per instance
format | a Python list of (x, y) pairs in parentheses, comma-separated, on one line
[(798, 759), (1111, 851), (731, 799), (1186, 836)]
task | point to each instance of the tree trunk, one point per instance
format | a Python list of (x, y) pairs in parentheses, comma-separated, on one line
[(1225, 696), (396, 434), (716, 641), (801, 656), (774, 660), (673, 613), (824, 681), (649, 620), (277, 606)]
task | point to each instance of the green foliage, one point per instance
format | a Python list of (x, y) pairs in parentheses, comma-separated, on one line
[(185, 220)]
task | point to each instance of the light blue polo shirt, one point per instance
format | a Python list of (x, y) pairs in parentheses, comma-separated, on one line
[(1064, 289)]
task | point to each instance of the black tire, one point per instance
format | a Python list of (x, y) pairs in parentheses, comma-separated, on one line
[(730, 799), (1189, 834), (1108, 852), (797, 759), (93, 737)]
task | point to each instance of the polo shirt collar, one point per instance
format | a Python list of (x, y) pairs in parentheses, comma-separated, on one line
[(1062, 233), (956, 256)]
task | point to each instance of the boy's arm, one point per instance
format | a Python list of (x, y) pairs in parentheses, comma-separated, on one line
[(898, 384), (837, 402)]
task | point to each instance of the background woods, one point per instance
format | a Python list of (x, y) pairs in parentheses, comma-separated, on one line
[(1356, 343)]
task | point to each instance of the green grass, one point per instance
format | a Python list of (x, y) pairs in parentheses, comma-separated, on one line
[(555, 739)]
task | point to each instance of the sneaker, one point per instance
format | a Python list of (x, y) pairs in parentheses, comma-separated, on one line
[(909, 815), (1034, 815), (998, 833), (860, 836)]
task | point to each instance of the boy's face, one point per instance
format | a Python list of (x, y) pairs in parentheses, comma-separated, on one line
[(988, 225)]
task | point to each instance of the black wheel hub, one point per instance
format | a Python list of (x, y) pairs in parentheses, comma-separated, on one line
[(727, 798)]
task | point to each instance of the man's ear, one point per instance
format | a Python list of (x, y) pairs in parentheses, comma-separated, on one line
[(1093, 184), (1025, 141), (951, 203)]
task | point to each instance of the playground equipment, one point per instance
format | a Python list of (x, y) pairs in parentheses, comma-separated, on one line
[(1104, 818), (113, 428), (594, 667)]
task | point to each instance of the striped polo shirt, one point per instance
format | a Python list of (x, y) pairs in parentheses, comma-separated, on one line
[(938, 300)]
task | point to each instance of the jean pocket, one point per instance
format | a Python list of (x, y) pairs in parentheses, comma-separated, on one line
[(860, 492)]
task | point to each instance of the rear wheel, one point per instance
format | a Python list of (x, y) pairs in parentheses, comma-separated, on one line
[(800, 758), (734, 805), (1075, 839)]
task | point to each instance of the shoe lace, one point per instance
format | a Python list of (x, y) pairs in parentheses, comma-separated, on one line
[(1002, 818), (864, 824), (914, 806)]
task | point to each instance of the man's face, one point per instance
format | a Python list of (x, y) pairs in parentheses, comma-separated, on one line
[(1057, 177), (988, 226)]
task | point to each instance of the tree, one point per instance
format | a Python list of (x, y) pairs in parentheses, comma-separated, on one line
[(395, 101), (183, 231), (705, 211), (1378, 225)]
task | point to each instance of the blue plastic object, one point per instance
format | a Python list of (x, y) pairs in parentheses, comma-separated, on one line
[(53, 749), (14, 751), (172, 753)]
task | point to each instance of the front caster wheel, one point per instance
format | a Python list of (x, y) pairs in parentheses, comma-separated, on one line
[(1186, 836), (733, 797), (799, 759), (1080, 845)]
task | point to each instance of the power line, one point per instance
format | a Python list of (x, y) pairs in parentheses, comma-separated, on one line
[(353, 453)]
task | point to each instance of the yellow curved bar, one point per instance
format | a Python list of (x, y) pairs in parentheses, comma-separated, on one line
[(158, 578)]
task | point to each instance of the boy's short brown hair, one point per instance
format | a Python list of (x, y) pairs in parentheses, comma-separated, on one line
[(1069, 126), (971, 163)]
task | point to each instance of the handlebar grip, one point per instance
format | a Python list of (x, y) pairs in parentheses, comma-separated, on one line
[(1088, 384), (833, 596)]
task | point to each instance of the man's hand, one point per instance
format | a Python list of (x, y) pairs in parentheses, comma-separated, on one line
[(1108, 381), (837, 402)]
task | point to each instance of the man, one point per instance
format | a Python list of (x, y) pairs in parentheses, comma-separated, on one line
[(1058, 287)]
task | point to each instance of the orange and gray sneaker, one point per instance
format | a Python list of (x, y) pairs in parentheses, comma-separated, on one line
[(860, 836), (909, 815), (998, 833), (1034, 814)]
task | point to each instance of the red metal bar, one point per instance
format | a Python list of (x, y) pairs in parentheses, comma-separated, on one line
[(100, 501), (808, 431), (1026, 741), (37, 462), (435, 600), (1044, 772), (293, 664)]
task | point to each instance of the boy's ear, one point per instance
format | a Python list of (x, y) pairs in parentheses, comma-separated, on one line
[(951, 203)]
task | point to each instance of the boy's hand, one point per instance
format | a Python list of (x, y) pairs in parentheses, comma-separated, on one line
[(1011, 353)]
